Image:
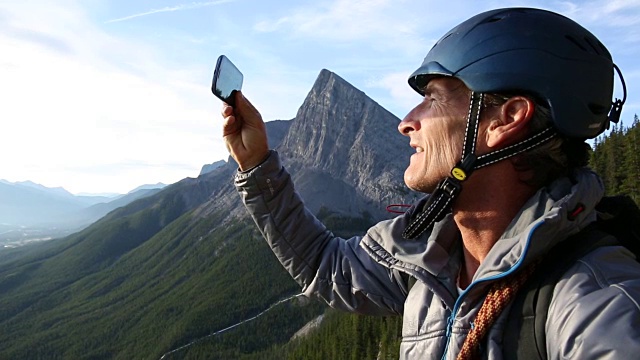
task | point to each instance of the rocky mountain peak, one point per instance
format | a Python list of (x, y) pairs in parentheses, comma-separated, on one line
[(341, 134)]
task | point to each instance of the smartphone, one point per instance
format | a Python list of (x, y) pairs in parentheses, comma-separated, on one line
[(227, 79)]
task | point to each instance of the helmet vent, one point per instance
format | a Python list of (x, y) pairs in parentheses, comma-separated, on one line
[(494, 19), (595, 49), (441, 40), (587, 45), (575, 42)]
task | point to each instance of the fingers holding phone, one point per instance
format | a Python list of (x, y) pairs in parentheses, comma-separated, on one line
[(244, 131)]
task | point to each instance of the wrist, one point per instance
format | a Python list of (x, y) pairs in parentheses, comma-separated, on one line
[(248, 166)]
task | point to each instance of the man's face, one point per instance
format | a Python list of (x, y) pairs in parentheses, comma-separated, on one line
[(436, 131)]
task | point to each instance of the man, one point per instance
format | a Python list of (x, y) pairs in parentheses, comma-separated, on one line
[(516, 92)]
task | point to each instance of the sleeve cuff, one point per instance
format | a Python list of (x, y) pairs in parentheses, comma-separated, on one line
[(272, 161)]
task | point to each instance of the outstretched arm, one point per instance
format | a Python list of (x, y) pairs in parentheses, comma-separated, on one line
[(337, 270), (340, 271)]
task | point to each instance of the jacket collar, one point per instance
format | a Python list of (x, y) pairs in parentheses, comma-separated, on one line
[(542, 222)]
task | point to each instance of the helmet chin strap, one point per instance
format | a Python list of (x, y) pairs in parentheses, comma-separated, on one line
[(441, 200)]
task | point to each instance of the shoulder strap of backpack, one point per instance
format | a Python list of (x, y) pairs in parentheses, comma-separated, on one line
[(618, 224), (524, 336), (620, 216)]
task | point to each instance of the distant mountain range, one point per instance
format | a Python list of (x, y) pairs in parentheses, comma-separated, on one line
[(29, 204), (31, 213), (173, 267)]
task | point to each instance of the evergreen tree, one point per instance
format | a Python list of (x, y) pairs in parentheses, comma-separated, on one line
[(616, 158), (631, 161)]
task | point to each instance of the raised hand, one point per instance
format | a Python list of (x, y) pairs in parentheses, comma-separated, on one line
[(244, 133)]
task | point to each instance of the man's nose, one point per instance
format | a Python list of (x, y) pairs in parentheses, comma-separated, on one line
[(410, 123)]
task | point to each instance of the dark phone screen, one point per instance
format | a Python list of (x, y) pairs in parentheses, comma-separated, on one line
[(226, 80)]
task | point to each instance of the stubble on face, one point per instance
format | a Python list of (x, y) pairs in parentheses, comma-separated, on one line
[(441, 152), (437, 134)]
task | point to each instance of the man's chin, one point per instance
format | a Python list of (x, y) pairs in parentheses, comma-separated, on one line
[(420, 187)]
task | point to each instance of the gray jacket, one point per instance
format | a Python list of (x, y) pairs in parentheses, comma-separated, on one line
[(594, 313)]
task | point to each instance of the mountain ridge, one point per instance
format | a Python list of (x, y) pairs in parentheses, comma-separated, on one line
[(29, 204), (326, 142)]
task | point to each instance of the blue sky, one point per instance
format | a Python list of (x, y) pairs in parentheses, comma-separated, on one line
[(103, 96)]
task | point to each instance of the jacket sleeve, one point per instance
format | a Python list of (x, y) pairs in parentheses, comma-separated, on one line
[(595, 311), (335, 269)]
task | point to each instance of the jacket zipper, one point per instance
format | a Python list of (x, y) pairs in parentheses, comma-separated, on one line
[(456, 306)]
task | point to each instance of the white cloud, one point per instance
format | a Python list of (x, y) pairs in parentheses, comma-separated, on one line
[(79, 97), (181, 7), (612, 14), (402, 98), (622, 5), (381, 24)]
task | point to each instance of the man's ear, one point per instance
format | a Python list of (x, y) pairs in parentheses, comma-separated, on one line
[(511, 123)]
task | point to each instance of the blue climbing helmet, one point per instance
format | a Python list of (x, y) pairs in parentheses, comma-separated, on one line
[(519, 51), (531, 51)]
